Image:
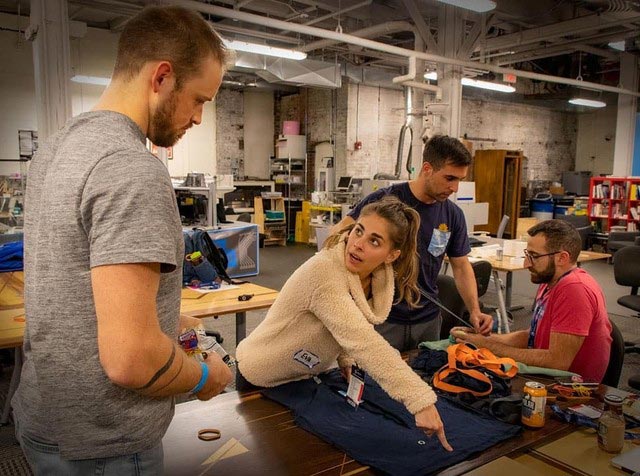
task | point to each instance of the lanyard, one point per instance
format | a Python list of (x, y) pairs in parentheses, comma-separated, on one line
[(538, 312), (539, 308)]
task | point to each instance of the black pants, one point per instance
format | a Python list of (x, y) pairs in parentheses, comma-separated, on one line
[(243, 385)]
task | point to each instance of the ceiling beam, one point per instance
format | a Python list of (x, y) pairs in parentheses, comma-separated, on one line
[(561, 29), (369, 32), (341, 37), (609, 54), (255, 33), (553, 50), (339, 12), (421, 25), (476, 34)]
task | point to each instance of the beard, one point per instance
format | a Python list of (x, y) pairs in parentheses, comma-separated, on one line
[(162, 131), (544, 276)]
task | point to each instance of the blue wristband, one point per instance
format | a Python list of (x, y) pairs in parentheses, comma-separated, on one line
[(203, 378)]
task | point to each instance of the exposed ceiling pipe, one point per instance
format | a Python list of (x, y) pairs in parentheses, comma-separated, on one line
[(339, 12), (369, 32), (374, 45), (255, 33), (409, 80)]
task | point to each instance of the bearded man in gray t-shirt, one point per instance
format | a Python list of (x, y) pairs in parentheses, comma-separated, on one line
[(103, 262)]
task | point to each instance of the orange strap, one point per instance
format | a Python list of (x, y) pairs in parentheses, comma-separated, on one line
[(444, 372), (465, 359)]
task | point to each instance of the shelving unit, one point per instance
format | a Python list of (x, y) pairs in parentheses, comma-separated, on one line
[(274, 229), (322, 216), (288, 170), (614, 201), (290, 177)]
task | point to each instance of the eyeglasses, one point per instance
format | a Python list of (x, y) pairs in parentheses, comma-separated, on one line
[(533, 256)]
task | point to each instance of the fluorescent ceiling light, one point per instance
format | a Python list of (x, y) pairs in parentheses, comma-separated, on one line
[(264, 50), (78, 78), (479, 6), (617, 45), (476, 83), (587, 102)]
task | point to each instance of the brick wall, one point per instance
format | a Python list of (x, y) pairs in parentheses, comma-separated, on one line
[(547, 137), (230, 132)]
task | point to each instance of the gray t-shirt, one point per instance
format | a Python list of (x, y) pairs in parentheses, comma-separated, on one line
[(95, 196)]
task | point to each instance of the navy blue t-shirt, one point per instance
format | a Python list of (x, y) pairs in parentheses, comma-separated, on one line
[(442, 230)]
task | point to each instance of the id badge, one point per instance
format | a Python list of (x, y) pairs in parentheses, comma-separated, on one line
[(356, 386)]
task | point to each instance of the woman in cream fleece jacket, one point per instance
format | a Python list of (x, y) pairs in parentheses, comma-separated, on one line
[(327, 309)]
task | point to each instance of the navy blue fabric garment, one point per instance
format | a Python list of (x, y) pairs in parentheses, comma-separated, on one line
[(11, 256), (443, 230), (381, 433), (429, 361)]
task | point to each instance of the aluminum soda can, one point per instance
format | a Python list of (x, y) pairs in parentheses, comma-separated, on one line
[(534, 402)]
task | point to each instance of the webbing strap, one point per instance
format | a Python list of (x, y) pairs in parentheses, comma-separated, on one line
[(444, 372), (466, 359)]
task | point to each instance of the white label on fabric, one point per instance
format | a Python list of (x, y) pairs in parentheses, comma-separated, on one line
[(306, 358), (356, 386)]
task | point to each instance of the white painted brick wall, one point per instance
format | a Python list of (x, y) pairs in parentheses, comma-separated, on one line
[(547, 137)]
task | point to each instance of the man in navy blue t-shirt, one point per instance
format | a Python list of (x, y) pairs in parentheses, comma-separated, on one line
[(445, 162)]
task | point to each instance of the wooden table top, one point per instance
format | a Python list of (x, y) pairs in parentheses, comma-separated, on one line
[(11, 309), (506, 266), (198, 304), (263, 439), (195, 304)]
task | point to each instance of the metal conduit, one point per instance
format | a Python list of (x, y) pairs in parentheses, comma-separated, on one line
[(374, 45)]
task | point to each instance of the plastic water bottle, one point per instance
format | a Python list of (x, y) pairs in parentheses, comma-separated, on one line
[(208, 344)]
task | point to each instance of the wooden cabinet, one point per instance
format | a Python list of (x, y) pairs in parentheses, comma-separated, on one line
[(497, 174), (614, 201), (269, 215)]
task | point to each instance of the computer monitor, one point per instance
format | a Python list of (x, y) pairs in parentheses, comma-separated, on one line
[(344, 184), (221, 212)]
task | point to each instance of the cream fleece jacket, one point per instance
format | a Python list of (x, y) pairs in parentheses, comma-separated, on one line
[(322, 314)]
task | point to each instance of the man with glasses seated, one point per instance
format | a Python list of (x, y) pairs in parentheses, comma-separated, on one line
[(570, 327)]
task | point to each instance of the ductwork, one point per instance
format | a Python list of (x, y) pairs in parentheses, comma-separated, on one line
[(295, 73), (374, 45)]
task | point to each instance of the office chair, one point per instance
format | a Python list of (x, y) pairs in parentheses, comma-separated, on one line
[(503, 226), (450, 297), (626, 270), (616, 357), (245, 217)]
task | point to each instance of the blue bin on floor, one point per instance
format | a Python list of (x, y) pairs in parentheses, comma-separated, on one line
[(542, 209)]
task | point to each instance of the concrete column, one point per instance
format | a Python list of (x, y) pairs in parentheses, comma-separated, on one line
[(417, 107), (49, 31), (626, 120), (451, 24)]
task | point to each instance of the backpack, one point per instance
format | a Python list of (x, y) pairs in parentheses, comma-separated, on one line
[(200, 240)]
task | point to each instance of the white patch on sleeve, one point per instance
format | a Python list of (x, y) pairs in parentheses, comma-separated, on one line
[(306, 358)]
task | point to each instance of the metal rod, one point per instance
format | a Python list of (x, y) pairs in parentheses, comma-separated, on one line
[(444, 308)]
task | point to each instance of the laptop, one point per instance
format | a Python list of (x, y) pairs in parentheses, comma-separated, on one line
[(344, 184), (628, 461), (473, 242)]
